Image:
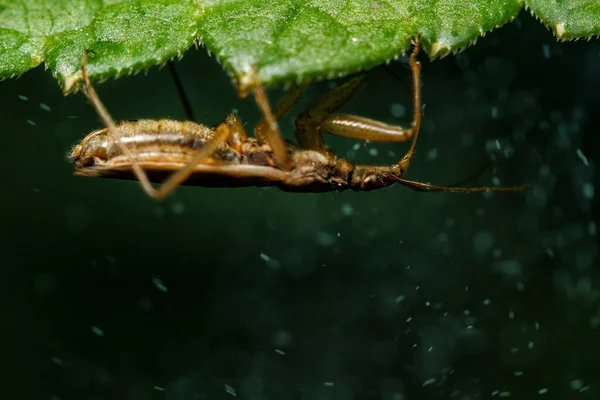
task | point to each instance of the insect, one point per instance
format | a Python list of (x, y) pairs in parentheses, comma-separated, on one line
[(184, 152)]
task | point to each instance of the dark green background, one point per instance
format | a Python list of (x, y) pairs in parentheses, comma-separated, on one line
[(368, 295)]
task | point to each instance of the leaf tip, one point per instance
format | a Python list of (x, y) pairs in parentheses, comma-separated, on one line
[(560, 31), (69, 83), (246, 82), (438, 50)]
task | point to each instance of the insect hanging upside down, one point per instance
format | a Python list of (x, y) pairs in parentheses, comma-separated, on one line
[(183, 152)]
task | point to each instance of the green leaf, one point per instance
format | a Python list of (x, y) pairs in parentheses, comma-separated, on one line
[(298, 39), (126, 36), (568, 19), (285, 40)]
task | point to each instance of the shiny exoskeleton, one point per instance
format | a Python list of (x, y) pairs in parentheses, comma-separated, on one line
[(186, 153)]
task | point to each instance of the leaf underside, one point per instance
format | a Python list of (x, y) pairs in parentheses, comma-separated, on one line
[(284, 40)]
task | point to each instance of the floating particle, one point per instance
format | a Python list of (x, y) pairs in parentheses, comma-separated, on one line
[(328, 384), (398, 110), (588, 190), (546, 51), (576, 384), (494, 112), (432, 154), (373, 152), (158, 283), (280, 352), (537, 197), (518, 373), (487, 302), (429, 381), (97, 331), (45, 107), (230, 390), (30, 122), (177, 208), (510, 268), (159, 389), (582, 157), (57, 361), (271, 262), (356, 147), (24, 98), (482, 242), (347, 209), (325, 239), (281, 338), (543, 391)]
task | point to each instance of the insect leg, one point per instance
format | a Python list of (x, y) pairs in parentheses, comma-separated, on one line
[(185, 101), (110, 124), (238, 134), (310, 122), (368, 129), (269, 132), (283, 107), (222, 133)]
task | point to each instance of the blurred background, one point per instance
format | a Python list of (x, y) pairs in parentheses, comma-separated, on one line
[(260, 294)]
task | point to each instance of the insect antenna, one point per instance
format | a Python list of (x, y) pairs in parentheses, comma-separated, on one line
[(427, 187), (405, 86), (185, 101)]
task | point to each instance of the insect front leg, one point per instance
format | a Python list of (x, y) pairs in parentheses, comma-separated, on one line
[(267, 130), (237, 135)]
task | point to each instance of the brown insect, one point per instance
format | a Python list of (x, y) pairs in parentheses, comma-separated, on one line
[(184, 152)]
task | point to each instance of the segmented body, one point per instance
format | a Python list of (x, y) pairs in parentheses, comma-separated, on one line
[(162, 147)]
